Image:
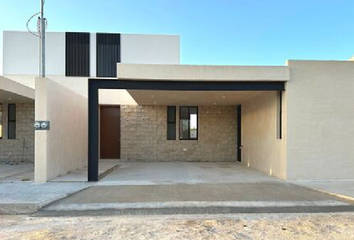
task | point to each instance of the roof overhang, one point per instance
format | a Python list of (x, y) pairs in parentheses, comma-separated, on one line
[(202, 72), (219, 85), (12, 91)]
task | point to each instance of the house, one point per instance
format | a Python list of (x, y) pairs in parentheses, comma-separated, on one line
[(124, 96)]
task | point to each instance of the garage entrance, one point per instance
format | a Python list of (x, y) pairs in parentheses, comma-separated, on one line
[(166, 92)]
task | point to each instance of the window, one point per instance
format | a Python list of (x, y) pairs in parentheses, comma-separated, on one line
[(1, 121), (171, 123), (11, 121), (108, 54), (279, 114), (77, 54), (188, 123)]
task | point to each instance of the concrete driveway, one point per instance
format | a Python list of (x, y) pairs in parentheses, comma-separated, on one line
[(199, 198), (147, 173), (16, 173)]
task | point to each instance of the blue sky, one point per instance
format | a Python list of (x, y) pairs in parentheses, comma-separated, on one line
[(242, 32)]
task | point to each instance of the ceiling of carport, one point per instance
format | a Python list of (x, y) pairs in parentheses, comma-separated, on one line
[(153, 97)]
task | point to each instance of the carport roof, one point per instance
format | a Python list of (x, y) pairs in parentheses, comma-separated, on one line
[(202, 72), (12, 91)]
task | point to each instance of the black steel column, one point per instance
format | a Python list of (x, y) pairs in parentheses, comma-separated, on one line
[(239, 134), (92, 131)]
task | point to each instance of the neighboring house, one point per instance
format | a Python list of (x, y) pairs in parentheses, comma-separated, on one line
[(293, 121)]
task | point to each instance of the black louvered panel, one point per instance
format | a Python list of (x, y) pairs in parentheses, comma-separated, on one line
[(77, 58), (108, 54)]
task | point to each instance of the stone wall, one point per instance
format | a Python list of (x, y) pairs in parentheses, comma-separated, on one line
[(20, 149), (144, 135)]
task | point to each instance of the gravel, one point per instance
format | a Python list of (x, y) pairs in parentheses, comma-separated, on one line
[(233, 226)]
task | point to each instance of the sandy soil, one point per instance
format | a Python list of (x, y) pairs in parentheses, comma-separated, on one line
[(241, 226)]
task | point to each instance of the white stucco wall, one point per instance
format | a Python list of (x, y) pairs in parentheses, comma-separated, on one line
[(261, 148), (320, 120), (21, 53), (154, 49), (64, 147)]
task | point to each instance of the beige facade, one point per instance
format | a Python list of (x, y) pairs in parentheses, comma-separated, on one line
[(144, 135), (320, 125), (63, 148), (262, 147), (317, 120)]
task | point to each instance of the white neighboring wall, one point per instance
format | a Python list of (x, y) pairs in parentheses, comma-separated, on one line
[(150, 49), (64, 147), (21, 53)]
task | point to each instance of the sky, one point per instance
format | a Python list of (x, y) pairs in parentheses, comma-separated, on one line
[(213, 32)]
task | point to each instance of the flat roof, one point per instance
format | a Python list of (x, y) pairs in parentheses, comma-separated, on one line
[(182, 72)]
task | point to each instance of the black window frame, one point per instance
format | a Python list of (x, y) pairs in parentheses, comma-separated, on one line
[(189, 119), (279, 115), (11, 122), (172, 122), (1, 120)]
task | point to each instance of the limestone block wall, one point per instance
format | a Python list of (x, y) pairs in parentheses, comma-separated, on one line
[(144, 135), (20, 149)]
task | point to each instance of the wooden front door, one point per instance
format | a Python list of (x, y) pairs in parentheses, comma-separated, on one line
[(110, 132)]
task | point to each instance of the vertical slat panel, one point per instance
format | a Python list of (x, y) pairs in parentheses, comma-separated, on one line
[(77, 54), (108, 54)]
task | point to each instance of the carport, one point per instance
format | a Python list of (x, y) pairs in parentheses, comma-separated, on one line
[(186, 85)]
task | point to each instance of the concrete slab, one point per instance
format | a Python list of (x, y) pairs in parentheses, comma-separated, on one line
[(343, 189), (80, 175), (200, 198), (16, 173), (148, 173), (24, 198)]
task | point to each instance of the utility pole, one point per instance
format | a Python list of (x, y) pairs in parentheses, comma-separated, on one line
[(42, 26)]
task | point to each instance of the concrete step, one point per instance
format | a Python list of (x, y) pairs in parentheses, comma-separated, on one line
[(27, 198)]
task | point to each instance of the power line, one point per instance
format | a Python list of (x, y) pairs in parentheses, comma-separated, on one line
[(28, 21)]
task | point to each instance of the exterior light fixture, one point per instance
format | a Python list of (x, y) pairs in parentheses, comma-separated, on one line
[(41, 125)]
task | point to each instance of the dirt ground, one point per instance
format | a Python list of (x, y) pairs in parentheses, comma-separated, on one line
[(235, 226)]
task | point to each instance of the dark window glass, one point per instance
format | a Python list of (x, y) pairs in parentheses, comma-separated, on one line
[(108, 54), (188, 128), (171, 123), (11, 121), (1, 112), (184, 113), (279, 114), (77, 54)]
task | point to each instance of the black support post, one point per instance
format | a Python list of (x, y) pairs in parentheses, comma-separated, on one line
[(92, 131)]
